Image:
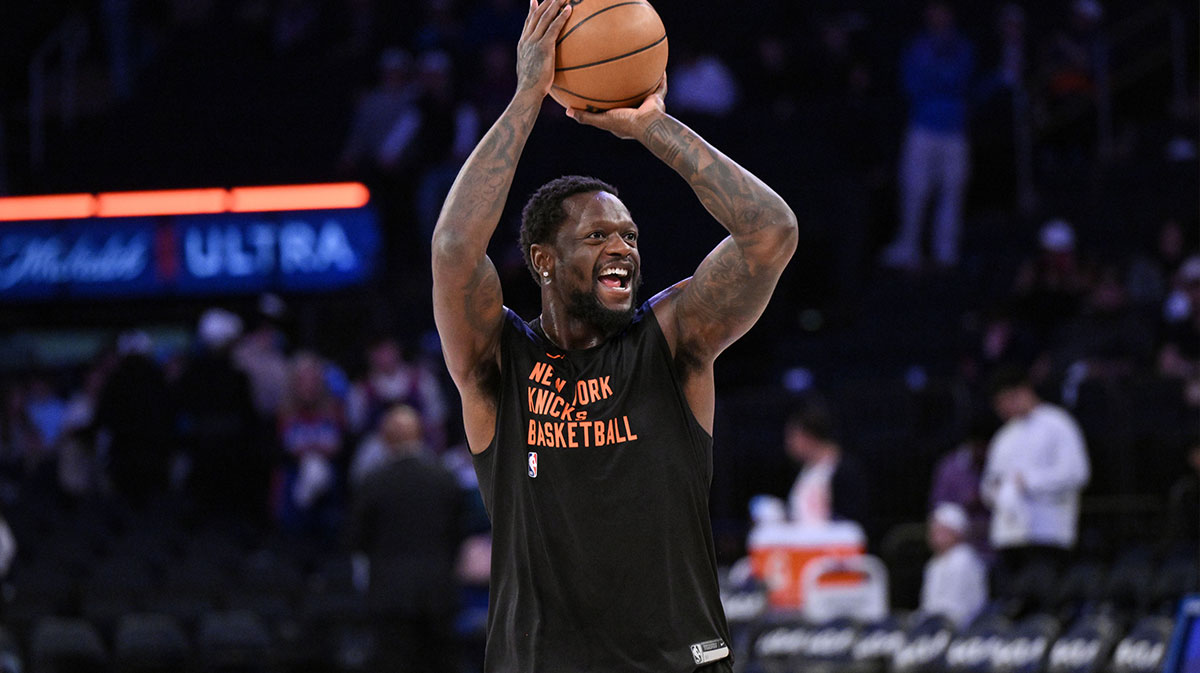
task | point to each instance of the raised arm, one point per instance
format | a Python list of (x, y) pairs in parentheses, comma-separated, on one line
[(703, 314), (467, 304)]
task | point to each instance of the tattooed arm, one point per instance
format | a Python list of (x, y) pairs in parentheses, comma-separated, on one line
[(467, 304), (704, 314)]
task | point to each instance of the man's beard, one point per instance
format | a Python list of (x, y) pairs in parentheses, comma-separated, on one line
[(586, 306)]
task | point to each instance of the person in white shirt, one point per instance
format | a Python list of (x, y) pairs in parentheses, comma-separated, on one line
[(831, 485), (1037, 465), (956, 580)]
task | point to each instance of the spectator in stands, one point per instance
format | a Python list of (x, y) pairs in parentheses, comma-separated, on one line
[(1151, 273), (1072, 65), (216, 425), (312, 436), (935, 160), (831, 485), (261, 353), (78, 465), (955, 583), (449, 128), (8, 548), (393, 378), (701, 82), (389, 105), (1036, 468), (1107, 339), (45, 411), (407, 517), (375, 450), (494, 21), (18, 433), (440, 30), (998, 338), (1051, 284), (496, 79), (772, 79), (1179, 350), (956, 479), (135, 412)]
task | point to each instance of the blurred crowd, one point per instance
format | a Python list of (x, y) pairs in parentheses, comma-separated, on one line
[(920, 118), (242, 425)]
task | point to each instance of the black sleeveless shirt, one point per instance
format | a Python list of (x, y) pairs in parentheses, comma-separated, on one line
[(597, 487)]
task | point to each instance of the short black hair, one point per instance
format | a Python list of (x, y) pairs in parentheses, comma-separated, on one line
[(1008, 377), (544, 211), (813, 416)]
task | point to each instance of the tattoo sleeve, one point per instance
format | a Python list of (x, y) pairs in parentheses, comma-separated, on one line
[(466, 289), (732, 285)]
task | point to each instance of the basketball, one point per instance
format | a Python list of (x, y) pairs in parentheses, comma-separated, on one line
[(611, 53)]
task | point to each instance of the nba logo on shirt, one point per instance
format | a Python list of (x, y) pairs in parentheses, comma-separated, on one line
[(533, 463)]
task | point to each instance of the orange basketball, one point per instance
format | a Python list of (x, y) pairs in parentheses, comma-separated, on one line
[(611, 53)]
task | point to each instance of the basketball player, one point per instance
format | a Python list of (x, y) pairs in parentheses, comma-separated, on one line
[(591, 425)]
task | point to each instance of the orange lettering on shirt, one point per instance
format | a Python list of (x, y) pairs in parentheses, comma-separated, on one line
[(538, 368), (628, 432)]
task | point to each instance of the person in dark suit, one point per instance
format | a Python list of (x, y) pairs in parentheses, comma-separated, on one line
[(407, 517)]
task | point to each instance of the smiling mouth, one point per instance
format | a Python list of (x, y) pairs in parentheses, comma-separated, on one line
[(615, 278)]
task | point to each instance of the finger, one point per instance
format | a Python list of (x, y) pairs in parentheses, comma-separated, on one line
[(559, 21), (662, 87), (583, 117), (551, 10), (529, 17)]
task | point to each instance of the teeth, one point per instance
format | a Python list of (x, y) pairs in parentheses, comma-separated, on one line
[(615, 271)]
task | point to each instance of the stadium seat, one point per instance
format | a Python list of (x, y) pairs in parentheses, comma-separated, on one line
[(67, 644), (972, 650), (924, 646), (1085, 647), (1030, 591), (233, 640), (11, 660), (743, 607), (38, 592), (1077, 590), (877, 643), (150, 643), (1126, 589), (1024, 649), (117, 586), (1176, 576), (1144, 649), (267, 583), (778, 644), (830, 650)]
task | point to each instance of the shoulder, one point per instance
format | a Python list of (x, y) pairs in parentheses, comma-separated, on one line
[(1055, 416)]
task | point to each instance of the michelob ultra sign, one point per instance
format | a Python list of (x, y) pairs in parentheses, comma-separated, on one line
[(247, 239)]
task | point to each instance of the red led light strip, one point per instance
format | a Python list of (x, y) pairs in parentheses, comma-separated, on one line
[(184, 202)]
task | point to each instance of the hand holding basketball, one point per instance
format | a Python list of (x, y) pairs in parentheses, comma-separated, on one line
[(535, 49), (610, 54), (626, 123)]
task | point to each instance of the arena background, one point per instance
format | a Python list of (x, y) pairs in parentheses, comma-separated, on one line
[(128, 95)]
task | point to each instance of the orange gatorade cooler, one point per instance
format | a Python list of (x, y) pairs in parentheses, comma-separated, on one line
[(779, 551)]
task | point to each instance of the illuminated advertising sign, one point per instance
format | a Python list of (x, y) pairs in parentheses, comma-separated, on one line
[(188, 253)]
